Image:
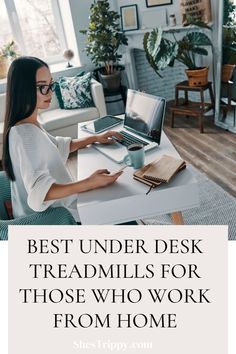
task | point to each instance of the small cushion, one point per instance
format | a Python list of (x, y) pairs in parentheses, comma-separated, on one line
[(75, 92)]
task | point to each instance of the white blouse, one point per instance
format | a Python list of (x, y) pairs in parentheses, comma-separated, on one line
[(38, 161)]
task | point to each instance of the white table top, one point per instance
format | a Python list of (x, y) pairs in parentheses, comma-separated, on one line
[(126, 199)]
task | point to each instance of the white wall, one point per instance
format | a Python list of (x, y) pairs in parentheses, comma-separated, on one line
[(170, 9), (80, 17)]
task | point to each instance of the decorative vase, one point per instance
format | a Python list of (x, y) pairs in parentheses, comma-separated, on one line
[(111, 82), (172, 20), (4, 65), (227, 72), (197, 77)]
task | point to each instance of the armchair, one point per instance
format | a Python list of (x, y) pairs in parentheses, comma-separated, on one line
[(51, 216)]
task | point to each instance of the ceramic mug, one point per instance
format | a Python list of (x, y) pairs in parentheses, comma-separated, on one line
[(135, 157)]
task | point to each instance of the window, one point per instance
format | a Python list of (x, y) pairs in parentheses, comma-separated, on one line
[(35, 25), (6, 33)]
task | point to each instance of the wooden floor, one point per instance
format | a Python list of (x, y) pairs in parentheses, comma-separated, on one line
[(213, 152)]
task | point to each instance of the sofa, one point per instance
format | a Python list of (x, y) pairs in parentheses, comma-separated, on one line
[(63, 122)]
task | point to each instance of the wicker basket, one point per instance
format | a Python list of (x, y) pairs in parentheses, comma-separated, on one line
[(197, 77), (227, 72), (4, 64)]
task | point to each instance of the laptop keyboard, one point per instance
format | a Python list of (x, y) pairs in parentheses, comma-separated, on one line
[(130, 139)]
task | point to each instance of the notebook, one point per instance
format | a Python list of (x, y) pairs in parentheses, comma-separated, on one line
[(143, 123), (159, 171)]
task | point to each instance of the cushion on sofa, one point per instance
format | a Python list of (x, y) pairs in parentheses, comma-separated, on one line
[(75, 92), (58, 96), (58, 118)]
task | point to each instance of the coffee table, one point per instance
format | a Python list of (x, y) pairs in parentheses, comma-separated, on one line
[(126, 199)]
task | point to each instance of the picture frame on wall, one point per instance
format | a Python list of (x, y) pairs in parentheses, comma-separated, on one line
[(201, 11), (152, 3), (129, 17)]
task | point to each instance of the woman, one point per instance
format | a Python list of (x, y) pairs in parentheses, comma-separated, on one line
[(33, 159)]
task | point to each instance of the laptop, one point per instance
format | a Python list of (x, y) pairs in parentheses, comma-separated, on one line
[(143, 123)]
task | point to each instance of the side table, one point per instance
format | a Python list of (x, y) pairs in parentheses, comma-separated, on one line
[(192, 109)]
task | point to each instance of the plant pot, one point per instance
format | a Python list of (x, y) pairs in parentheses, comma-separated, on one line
[(4, 65), (197, 77), (227, 72), (111, 82)]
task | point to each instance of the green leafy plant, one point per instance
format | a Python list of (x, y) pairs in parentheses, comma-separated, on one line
[(229, 33), (229, 13), (104, 36), (8, 51), (162, 52), (229, 45)]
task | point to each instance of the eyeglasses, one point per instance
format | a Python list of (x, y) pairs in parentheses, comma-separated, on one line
[(44, 89)]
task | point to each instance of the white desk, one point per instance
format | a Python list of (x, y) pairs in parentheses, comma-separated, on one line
[(126, 199)]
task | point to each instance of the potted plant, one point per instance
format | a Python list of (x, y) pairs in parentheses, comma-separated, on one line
[(104, 38), (7, 53), (162, 52)]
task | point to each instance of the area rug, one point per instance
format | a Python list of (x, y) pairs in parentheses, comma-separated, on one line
[(217, 207)]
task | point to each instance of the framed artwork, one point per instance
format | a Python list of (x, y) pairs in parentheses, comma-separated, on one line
[(201, 11), (129, 17), (151, 3)]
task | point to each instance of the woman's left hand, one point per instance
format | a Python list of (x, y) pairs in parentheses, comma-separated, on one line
[(107, 138)]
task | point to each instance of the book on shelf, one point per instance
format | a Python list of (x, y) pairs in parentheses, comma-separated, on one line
[(159, 171)]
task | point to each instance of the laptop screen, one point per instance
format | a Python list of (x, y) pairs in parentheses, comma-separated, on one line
[(144, 114)]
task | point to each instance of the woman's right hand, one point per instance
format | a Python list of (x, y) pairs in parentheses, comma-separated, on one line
[(102, 178), (98, 179)]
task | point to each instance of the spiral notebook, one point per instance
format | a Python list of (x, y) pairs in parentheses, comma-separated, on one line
[(159, 171)]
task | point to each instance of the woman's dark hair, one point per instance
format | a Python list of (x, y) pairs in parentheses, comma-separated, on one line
[(21, 100)]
